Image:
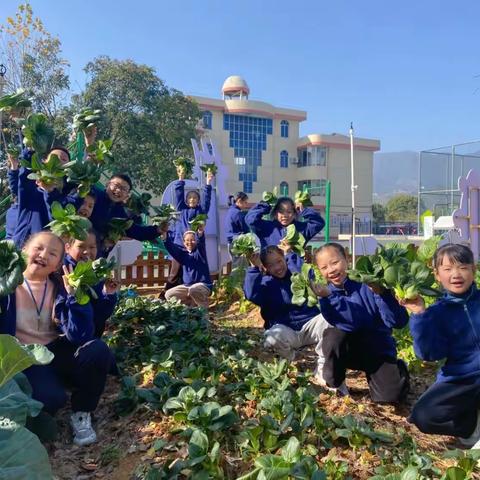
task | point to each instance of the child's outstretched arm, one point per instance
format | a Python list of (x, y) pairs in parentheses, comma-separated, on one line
[(252, 285), (176, 251), (393, 314), (313, 223), (206, 198), (180, 195), (254, 219)]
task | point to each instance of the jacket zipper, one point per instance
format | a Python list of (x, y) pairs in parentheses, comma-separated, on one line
[(465, 308)]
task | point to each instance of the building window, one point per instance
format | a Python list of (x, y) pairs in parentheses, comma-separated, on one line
[(210, 148), (207, 120), (283, 159), (248, 138), (284, 129), (312, 156), (284, 189), (314, 187)]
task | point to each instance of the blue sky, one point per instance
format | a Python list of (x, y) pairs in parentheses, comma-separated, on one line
[(403, 72)]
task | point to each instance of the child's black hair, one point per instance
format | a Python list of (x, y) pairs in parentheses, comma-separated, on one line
[(268, 251), (240, 196), (456, 252), (339, 248), (63, 149), (282, 201), (194, 192), (92, 194), (124, 177)]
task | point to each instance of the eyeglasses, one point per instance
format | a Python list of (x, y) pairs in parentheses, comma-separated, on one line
[(118, 186)]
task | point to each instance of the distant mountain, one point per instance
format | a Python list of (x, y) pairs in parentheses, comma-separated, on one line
[(394, 172)]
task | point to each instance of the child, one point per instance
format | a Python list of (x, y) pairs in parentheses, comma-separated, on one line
[(450, 330), (288, 326), (197, 284), (43, 310), (84, 205), (189, 207), (235, 219), (104, 305), (284, 213), (362, 335)]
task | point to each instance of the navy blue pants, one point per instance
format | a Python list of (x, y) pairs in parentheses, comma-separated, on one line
[(448, 408), (83, 368)]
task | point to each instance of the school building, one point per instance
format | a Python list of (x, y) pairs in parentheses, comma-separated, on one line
[(262, 148)]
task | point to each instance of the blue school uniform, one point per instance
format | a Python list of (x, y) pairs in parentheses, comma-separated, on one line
[(450, 329), (194, 264), (355, 309), (186, 213), (103, 306), (78, 356), (104, 210), (235, 223), (270, 232), (274, 296)]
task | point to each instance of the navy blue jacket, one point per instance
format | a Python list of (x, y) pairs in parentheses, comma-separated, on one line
[(235, 223), (12, 177), (370, 317), (103, 306), (195, 264), (270, 232), (11, 218), (274, 296), (186, 213), (450, 329), (75, 321), (104, 210)]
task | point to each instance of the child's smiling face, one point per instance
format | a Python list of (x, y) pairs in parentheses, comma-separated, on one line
[(455, 277), (83, 250), (332, 265), (190, 241), (44, 254), (276, 265), (192, 199), (86, 208)]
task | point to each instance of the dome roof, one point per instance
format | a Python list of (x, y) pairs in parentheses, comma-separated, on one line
[(235, 83)]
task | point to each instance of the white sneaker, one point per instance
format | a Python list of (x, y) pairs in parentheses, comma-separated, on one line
[(473, 441), (341, 391), (83, 432)]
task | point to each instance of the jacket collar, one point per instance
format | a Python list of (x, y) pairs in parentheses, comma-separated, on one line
[(460, 299), (68, 260), (346, 287)]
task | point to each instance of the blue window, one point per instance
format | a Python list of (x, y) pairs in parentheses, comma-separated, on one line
[(284, 129), (284, 189), (283, 159), (248, 138), (207, 119)]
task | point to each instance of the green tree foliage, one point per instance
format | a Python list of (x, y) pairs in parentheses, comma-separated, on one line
[(149, 123), (33, 59), (378, 211), (402, 208)]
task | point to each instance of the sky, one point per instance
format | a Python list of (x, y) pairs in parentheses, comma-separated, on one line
[(404, 72)]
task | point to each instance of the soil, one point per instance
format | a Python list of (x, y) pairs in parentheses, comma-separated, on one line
[(126, 442)]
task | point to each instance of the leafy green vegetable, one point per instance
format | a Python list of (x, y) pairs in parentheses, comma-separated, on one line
[(199, 221), (116, 229), (83, 173), (14, 102), (139, 203), (303, 197), (67, 223), (245, 244), (427, 249), (100, 151), (86, 119), (49, 172), (38, 134), (185, 165), (301, 285), (209, 167), (295, 239), (270, 197), (14, 150), (165, 214), (12, 266), (88, 274)]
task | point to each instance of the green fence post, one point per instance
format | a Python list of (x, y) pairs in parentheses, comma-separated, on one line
[(327, 211)]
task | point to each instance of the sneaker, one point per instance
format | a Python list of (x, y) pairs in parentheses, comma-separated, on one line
[(83, 432), (473, 441), (341, 391)]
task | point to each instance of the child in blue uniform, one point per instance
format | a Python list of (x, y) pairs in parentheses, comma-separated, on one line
[(235, 218), (361, 337), (288, 327), (197, 284), (285, 212), (450, 330), (44, 310)]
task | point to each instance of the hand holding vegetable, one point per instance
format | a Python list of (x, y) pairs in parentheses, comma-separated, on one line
[(254, 259), (111, 286), (67, 270), (244, 244), (415, 305), (209, 178), (319, 290), (12, 161), (198, 221), (184, 167), (12, 265)]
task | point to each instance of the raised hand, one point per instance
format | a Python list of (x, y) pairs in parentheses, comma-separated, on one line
[(67, 270), (111, 286), (319, 290), (415, 305)]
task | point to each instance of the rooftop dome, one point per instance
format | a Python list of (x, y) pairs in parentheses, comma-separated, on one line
[(235, 86)]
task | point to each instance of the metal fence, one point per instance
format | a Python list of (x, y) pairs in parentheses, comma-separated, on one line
[(439, 170)]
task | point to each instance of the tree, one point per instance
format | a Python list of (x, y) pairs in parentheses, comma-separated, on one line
[(402, 208), (33, 59), (378, 212), (149, 123)]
